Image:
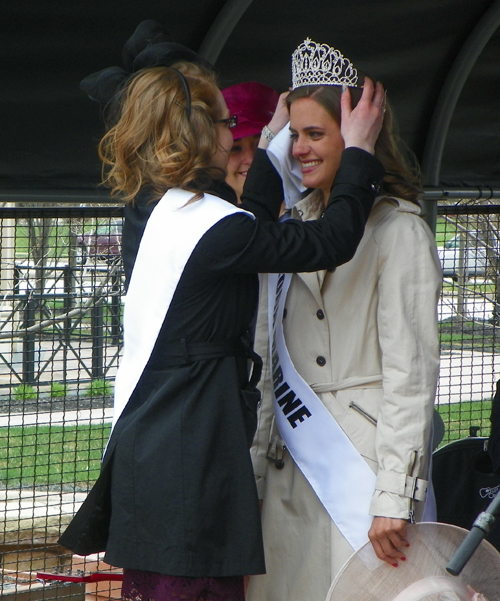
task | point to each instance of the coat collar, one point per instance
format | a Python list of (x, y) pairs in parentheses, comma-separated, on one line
[(402, 206), (308, 209)]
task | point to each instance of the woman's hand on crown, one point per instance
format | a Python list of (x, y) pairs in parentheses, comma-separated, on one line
[(278, 121), (360, 126)]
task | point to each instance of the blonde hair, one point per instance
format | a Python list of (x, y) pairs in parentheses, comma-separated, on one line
[(154, 141), (402, 173)]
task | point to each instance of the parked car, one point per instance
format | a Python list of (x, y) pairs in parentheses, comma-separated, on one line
[(475, 261), (104, 243)]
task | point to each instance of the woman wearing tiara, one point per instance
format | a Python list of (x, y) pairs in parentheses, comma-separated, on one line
[(176, 504), (343, 446)]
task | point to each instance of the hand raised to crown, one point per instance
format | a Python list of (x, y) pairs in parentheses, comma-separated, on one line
[(360, 126)]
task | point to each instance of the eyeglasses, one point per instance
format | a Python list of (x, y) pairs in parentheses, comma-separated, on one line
[(230, 122)]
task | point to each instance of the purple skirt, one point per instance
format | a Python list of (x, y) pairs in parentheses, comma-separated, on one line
[(139, 585)]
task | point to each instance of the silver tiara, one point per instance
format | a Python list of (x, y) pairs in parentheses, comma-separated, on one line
[(319, 64)]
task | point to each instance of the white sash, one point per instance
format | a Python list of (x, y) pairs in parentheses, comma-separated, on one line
[(340, 477), (171, 234)]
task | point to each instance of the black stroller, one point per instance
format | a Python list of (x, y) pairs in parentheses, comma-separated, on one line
[(466, 476)]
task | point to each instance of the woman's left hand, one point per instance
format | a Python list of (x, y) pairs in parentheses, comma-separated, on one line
[(473, 595), (388, 537), (360, 126), (278, 121)]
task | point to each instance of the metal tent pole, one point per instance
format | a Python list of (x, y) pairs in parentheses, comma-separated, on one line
[(222, 28), (447, 101)]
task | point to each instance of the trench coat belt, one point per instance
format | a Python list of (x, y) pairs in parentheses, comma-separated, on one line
[(361, 382), (180, 352), (400, 484), (333, 387)]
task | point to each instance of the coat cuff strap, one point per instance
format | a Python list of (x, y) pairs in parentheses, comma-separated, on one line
[(402, 485)]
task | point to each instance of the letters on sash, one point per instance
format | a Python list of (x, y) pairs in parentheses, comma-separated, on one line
[(341, 478)]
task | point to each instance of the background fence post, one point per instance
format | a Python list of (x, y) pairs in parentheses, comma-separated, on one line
[(115, 308), (29, 342), (67, 306), (97, 340)]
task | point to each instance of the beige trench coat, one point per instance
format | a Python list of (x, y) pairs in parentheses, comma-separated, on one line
[(375, 317)]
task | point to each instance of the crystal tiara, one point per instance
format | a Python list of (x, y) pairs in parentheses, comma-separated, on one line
[(319, 64)]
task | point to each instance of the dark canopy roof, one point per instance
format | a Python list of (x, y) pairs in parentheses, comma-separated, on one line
[(428, 53)]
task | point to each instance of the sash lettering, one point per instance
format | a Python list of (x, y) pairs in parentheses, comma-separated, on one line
[(334, 468)]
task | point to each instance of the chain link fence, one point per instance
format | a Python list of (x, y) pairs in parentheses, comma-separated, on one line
[(61, 291), (468, 239)]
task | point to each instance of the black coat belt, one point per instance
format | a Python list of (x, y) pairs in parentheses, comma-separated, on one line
[(180, 352)]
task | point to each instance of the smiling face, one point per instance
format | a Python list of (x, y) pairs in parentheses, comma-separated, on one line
[(240, 159), (317, 143)]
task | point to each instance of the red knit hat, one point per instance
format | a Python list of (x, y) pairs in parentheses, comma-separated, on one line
[(254, 103)]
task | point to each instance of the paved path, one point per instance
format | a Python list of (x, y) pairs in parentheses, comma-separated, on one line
[(467, 376), (20, 506), (475, 308), (60, 418)]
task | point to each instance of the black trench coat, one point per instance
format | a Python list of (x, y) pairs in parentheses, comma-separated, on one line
[(176, 493)]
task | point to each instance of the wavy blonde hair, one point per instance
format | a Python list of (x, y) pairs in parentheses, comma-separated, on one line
[(153, 142), (402, 173)]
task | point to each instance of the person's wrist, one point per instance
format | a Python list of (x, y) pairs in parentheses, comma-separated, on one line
[(268, 133), (362, 145), (266, 136)]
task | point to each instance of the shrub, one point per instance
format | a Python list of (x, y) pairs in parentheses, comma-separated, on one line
[(58, 389), (98, 388), (25, 392)]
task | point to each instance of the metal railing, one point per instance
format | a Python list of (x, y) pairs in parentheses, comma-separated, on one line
[(61, 290), (61, 293), (468, 239)]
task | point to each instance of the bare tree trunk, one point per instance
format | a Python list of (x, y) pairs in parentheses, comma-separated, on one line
[(39, 230)]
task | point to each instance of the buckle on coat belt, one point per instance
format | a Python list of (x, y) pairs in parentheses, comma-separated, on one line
[(276, 452)]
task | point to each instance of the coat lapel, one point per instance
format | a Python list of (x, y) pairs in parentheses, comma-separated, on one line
[(313, 281), (305, 210)]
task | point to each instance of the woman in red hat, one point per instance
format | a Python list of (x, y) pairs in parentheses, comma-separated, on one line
[(254, 104)]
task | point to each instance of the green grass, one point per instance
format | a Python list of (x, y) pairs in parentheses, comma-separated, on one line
[(58, 455), (468, 335), (58, 240), (458, 417), (444, 231), (453, 336), (472, 287), (59, 236), (51, 455)]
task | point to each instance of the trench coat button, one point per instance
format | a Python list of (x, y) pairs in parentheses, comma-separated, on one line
[(376, 187), (320, 314), (284, 313), (321, 361)]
